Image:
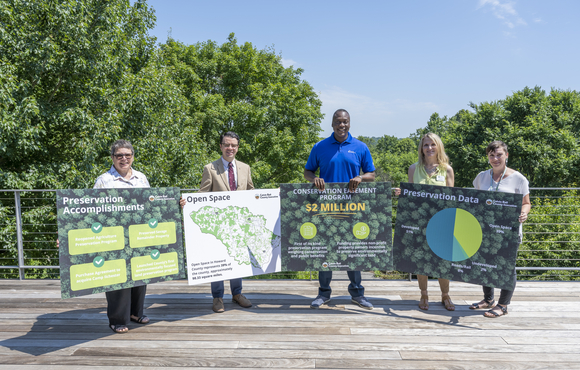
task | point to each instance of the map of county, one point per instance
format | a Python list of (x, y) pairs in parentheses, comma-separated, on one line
[(244, 234)]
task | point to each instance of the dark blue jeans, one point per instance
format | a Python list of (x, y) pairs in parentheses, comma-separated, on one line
[(217, 288), (354, 288)]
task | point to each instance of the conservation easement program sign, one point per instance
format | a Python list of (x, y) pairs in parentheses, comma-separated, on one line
[(336, 229), (112, 239), (458, 234), (231, 234)]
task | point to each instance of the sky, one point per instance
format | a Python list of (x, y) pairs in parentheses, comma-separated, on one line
[(392, 64)]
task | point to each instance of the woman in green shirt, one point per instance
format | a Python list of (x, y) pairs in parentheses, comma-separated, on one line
[(432, 169)]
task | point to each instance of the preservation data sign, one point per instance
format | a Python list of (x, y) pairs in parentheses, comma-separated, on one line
[(336, 229), (231, 234), (112, 239), (458, 234)]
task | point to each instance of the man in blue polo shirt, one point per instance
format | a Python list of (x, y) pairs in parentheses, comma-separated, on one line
[(340, 158)]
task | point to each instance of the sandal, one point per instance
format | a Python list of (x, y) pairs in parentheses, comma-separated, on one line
[(482, 304), (446, 300), (493, 313), (119, 329), (424, 301), (140, 320)]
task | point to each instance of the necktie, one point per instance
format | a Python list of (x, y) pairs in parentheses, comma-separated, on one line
[(231, 176)]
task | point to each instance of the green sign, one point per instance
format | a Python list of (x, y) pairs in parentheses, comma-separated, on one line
[(113, 239), (458, 234), (336, 229)]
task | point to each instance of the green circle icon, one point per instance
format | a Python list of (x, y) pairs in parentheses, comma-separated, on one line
[(155, 254), (153, 223), (98, 261), (308, 230), (96, 227), (361, 230)]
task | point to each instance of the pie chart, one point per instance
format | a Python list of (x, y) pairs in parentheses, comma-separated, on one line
[(454, 234)]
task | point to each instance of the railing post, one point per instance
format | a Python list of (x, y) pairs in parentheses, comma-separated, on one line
[(17, 210)]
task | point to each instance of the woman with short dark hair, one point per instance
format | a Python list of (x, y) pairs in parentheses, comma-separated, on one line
[(507, 180), (126, 304)]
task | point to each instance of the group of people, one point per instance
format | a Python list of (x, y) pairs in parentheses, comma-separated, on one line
[(338, 158)]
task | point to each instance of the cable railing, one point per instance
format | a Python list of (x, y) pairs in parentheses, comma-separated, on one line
[(550, 250)]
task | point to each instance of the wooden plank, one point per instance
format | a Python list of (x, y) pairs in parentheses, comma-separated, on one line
[(235, 354), (397, 336), (466, 331), (194, 330), (482, 364), (118, 344), (551, 360), (247, 338), (497, 346), (161, 362), (96, 367)]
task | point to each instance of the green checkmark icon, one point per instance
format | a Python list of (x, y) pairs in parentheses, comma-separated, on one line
[(153, 223), (155, 254), (98, 261), (96, 227)]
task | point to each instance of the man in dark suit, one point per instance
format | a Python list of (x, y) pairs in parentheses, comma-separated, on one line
[(227, 174)]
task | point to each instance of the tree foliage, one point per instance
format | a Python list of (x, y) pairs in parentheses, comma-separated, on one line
[(552, 234), (232, 87), (540, 129), (392, 157), (77, 75)]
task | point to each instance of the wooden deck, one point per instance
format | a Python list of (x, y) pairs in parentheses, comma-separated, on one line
[(542, 331)]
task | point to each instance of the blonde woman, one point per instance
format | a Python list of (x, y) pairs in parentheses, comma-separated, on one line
[(432, 169)]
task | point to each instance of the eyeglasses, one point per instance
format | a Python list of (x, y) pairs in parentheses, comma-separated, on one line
[(120, 156)]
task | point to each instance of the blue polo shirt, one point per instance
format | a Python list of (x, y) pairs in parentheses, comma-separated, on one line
[(340, 162)]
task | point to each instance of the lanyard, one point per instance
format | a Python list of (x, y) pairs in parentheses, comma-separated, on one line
[(501, 178)]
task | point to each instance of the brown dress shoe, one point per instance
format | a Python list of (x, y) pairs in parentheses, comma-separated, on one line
[(242, 301), (218, 305)]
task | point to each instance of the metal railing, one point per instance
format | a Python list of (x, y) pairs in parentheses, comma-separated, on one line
[(550, 250)]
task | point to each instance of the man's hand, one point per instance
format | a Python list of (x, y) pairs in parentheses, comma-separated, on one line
[(319, 183), (353, 183), (311, 177), (397, 191), (182, 202)]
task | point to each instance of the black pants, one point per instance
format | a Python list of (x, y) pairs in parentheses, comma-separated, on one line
[(505, 296), (121, 304)]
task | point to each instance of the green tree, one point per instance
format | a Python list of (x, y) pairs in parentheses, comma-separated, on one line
[(540, 129), (436, 124), (75, 76), (392, 157), (551, 236), (248, 91)]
